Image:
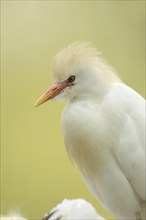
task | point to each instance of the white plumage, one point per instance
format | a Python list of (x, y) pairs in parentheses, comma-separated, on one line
[(103, 127), (76, 209)]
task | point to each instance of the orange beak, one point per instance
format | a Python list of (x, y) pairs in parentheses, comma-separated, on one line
[(51, 93)]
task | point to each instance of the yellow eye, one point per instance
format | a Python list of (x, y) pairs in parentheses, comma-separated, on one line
[(71, 78)]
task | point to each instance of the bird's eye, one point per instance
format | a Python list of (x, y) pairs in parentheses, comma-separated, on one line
[(71, 78)]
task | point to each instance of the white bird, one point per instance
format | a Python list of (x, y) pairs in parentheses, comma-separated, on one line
[(103, 127), (78, 209)]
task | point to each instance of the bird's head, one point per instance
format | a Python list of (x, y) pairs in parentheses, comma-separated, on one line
[(78, 72)]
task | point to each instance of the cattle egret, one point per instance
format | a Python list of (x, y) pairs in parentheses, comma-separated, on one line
[(73, 209), (103, 127)]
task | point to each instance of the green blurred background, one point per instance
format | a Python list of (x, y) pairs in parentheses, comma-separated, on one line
[(36, 172)]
